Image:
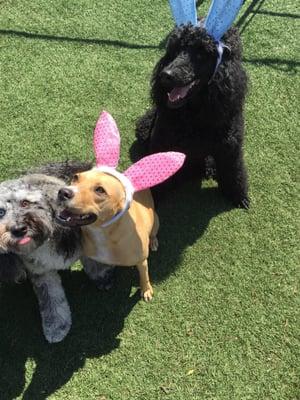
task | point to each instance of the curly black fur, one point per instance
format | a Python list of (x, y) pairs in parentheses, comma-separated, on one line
[(206, 122), (62, 170), (67, 240)]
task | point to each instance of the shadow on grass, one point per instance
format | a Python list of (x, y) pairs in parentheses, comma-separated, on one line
[(98, 318), (243, 21), (184, 217), (289, 66), (102, 42), (184, 213), (278, 14), (254, 9)]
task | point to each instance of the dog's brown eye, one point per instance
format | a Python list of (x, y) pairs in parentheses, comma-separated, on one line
[(75, 178), (100, 190), (25, 203)]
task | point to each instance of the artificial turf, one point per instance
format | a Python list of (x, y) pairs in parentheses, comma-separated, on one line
[(224, 323)]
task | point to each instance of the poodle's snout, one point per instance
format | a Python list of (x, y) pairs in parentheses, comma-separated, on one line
[(65, 194), (19, 230), (167, 77)]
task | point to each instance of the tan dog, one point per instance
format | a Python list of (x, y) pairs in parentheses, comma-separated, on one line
[(95, 198), (116, 210)]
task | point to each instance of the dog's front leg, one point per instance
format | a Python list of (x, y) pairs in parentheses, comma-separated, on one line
[(144, 125), (232, 176), (101, 274), (54, 307), (146, 288)]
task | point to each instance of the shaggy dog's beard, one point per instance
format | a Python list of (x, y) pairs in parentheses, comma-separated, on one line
[(38, 230)]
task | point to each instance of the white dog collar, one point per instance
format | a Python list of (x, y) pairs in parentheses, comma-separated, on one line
[(129, 190)]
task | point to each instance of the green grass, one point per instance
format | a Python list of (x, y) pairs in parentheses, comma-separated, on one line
[(224, 323)]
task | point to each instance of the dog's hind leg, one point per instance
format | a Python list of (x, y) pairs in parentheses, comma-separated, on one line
[(101, 274), (54, 307), (153, 235), (146, 288)]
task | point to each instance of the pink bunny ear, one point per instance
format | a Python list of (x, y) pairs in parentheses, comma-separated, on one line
[(154, 169), (106, 141)]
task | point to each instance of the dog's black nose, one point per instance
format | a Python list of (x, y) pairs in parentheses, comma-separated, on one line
[(167, 77), (19, 230), (65, 194)]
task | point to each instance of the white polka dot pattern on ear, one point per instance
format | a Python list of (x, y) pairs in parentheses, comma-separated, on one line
[(220, 16), (147, 172), (106, 141), (184, 11), (154, 169)]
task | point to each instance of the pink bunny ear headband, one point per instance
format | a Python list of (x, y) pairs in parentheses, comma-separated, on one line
[(220, 17), (147, 172)]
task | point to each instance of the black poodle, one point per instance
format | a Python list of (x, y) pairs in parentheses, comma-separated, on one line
[(198, 108)]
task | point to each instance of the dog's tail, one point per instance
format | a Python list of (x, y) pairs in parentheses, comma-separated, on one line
[(62, 170)]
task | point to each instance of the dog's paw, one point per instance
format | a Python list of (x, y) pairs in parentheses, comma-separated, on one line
[(147, 294), (106, 280), (57, 330), (153, 243)]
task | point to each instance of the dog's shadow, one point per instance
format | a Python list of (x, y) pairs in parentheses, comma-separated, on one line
[(184, 217), (184, 213), (98, 317)]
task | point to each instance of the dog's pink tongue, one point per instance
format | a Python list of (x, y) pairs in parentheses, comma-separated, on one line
[(178, 93), (24, 240)]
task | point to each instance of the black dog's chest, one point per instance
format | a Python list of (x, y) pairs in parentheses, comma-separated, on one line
[(181, 133)]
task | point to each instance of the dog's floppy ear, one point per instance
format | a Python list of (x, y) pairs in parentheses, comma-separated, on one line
[(11, 268), (154, 169), (220, 16), (106, 141)]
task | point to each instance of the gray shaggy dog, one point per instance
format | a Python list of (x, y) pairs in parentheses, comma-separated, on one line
[(32, 244)]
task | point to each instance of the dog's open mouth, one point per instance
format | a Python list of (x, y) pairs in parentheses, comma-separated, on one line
[(68, 218), (179, 94)]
